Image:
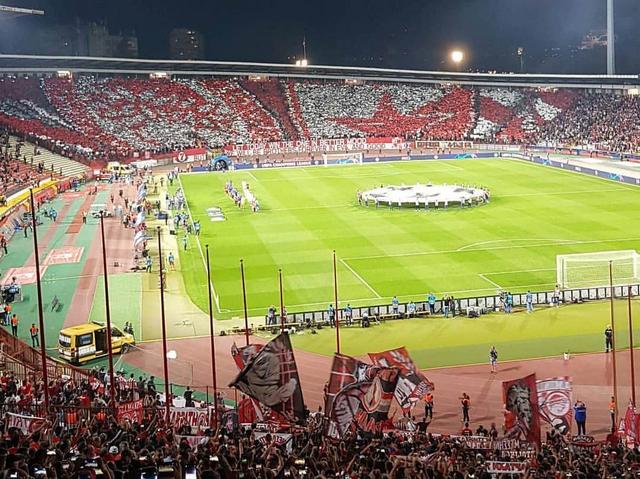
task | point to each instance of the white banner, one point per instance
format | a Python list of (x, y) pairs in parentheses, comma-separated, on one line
[(25, 423), (192, 416), (321, 145), (496, 467)]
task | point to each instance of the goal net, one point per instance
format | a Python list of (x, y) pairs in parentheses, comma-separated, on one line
[(586, 270), (344, 158)]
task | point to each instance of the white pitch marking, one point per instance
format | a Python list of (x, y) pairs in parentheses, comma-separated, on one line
[(563, 193), (360, 278), (480, 243), (204, 262), (252, 176), (489, 281), (521, 271), (429, 253)]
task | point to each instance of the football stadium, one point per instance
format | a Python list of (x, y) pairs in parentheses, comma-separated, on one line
[(247, 269)]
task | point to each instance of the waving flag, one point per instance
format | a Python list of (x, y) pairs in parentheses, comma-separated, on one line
[(271, 377), (554, 401), (139, 219), (522, 414), (142, 192), (412, 383), (139, 239), (374, 405), (628, 429), (358, 393), (242, 355)]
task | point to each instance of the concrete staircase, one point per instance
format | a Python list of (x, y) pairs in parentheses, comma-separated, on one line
[(62, 165)]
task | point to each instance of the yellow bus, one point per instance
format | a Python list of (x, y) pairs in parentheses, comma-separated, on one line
[(79, 344)]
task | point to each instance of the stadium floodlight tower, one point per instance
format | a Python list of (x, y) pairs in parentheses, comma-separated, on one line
[(611, 40), (19, 11)]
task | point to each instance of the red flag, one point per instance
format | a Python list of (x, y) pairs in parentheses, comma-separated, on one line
[(522, 416), (133, 411), (359, 393), (241, 356), (412, 384), (249, 411), (375, 404), (629, 427), (348, 382)]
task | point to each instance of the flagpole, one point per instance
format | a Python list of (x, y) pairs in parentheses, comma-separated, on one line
[(165, 363), (335, 298), (613, 345), (282, 324), (43, 348), (107, 307), (631, 350), (244, 302), (213, 340)]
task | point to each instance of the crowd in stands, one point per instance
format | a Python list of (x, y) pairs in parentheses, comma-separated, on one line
[(610, 121), (271, 94), (17, 169), (83, 439), (113, 117)]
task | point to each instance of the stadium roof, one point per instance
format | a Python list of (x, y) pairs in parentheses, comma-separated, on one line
[(27, 64)]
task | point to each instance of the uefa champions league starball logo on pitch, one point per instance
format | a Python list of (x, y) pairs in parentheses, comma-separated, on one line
[(424, 196)]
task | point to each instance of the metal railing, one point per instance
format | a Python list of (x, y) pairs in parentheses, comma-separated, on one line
[(481, 304)]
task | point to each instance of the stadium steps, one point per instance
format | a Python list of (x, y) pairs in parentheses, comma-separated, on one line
[(61, 165)]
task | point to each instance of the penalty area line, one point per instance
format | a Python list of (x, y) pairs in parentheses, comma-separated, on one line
[(360, 278), (489, 281)]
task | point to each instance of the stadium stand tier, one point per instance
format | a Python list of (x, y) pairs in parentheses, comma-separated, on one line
[(111, 117), (20, 166)]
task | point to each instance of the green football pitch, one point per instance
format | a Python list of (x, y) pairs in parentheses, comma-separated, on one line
[(535, 213)]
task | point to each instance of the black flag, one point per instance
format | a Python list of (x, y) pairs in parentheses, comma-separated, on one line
[(271, 377)]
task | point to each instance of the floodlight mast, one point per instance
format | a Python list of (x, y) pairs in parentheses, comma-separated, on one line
[(611, 39), (20, 11)]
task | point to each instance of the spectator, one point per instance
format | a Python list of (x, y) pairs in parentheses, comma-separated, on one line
[(580, 413)]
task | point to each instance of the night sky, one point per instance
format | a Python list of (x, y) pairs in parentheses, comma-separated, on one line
[(385, 33)]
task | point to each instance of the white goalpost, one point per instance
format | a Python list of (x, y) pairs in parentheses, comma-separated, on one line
[(588, 270), (343, 158)]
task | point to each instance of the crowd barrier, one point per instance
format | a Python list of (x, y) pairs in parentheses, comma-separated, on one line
[(17, 352), (479, 304), (25, 362)]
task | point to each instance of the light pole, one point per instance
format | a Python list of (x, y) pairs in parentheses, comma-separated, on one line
[(611, 39), (107, 306), (167, 394), (520, 53)]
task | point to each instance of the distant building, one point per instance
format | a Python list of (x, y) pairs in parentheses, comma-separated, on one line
[(101, 43), (186, 44), (77, 39), (54, 40)]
